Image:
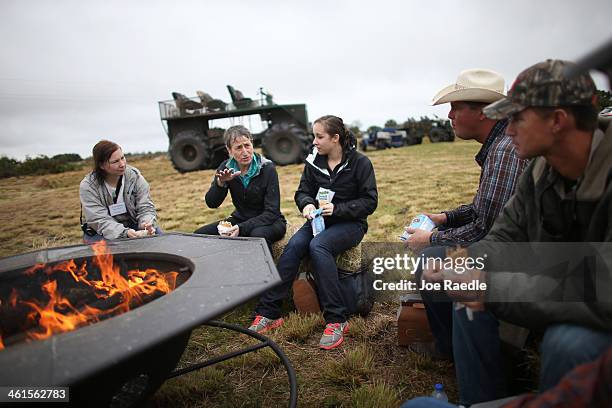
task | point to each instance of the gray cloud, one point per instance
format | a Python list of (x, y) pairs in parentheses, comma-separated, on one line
[(73, 72)]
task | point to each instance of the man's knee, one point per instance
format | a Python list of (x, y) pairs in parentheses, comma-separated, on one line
[(574, 343)]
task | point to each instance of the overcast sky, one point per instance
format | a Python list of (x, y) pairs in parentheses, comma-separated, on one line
[(74, 72)]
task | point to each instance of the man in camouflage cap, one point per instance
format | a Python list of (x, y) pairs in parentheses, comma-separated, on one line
[(565, 195)]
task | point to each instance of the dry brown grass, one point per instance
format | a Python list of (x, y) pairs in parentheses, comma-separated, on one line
[(369, 368)]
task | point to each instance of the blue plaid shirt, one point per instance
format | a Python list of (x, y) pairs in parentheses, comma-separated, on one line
[(500, 170)]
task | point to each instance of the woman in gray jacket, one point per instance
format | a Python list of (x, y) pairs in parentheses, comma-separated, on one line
[(115, 198)]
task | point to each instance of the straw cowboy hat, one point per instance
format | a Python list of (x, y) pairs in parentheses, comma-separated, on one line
[(474, 85)]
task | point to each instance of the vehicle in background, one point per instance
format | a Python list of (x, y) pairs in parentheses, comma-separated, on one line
[(195, 144), (410, 133)]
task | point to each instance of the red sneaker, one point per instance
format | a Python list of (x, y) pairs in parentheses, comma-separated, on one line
[(333, 335), (262, 324)]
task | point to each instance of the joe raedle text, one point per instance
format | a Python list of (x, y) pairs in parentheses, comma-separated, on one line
[(446, 284)]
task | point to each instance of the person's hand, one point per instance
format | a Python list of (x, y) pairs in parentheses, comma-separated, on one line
[(327, 209), (468, 276), (432, 273), (438, 219), (307, 210), (226, 175), (148, 226), (234, 231), (418, 239), (474, 299), (137, 234)]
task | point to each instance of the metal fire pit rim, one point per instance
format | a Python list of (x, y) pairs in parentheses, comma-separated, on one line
[(183, 301)]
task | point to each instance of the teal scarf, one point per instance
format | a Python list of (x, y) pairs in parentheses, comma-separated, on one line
[(253, 169)]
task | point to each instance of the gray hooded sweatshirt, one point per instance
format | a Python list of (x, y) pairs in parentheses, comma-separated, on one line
[(95, 200)]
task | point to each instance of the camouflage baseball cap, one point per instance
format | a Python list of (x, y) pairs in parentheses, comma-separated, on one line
[(544, 84)]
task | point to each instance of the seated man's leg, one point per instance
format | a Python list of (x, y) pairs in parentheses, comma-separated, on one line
[(271, 233), (566, 346), (288, 265), (439, 307), (324, 248), (477, 354)]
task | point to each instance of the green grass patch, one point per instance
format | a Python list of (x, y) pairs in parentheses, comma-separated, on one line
[(350, 368), (378, 395)]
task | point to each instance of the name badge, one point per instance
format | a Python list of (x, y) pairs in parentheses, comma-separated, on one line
[(117, 209)]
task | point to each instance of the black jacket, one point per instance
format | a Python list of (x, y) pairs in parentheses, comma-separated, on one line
[(258, 204), (352, 181)]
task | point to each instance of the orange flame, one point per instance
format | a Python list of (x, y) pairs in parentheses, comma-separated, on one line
[(59, 315)]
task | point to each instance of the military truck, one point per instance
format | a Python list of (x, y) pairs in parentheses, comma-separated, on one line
[(410, 133), (438, 130), (195, 144)]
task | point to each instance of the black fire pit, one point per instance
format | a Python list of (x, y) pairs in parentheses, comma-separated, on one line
[(121, 360)]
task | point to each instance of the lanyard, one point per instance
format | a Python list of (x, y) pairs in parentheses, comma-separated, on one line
[(117, 190)]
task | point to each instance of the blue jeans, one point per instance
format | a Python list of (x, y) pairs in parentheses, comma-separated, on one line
[(438, 306), (480, 374), (474, 345), (566, 346), (322, 251), (478, 359), (426, 402)]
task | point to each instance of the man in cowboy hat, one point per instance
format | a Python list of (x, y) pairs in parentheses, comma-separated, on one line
[(500, 169), (564, 196), (500, 166)]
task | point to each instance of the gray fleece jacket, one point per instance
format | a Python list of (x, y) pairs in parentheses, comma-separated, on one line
[(95, 200)]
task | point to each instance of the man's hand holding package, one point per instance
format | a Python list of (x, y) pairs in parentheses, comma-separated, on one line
[(438, 219), (418, 239), (471, 298)]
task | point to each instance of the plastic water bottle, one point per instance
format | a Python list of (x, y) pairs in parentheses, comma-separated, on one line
[(439, 393)]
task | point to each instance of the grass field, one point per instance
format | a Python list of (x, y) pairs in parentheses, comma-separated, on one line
[(369, 370)]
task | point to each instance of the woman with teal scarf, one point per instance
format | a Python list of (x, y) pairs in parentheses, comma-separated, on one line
[(252, 182)]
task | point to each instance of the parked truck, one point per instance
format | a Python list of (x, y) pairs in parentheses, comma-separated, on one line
[(409, 133), (195, 144)]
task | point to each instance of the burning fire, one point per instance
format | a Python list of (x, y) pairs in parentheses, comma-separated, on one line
[(112, 294)]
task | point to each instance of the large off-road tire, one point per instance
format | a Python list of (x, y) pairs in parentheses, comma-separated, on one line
[(189, 152), (413, 139), (440, 135), (285, 143)]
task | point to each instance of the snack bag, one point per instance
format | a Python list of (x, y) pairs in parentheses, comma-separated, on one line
[(421, 221), (317, 223)]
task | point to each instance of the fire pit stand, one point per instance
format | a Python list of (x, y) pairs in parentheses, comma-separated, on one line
[(265, 342)]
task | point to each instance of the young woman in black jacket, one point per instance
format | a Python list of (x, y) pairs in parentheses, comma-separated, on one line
[(252, 182), (340, 182)]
